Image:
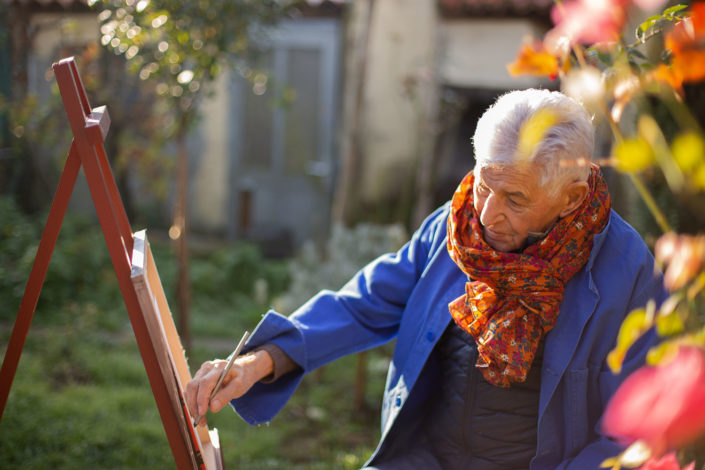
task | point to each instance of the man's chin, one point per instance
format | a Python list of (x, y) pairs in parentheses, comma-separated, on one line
[(501, 243), (502, 247)]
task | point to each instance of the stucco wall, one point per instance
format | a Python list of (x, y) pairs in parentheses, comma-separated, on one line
[(474, 53), (210, 152), (412, 52), (397, 93)]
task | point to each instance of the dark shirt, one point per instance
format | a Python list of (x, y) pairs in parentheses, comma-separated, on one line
[(474, 424), (470, 423)]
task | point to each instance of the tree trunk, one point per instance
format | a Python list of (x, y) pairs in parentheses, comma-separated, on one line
[(21, 45), (350, 146), (360, 381), (24, 178), (179, 232), (343, 202)]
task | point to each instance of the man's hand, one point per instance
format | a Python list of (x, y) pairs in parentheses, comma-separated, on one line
[(245, 372)]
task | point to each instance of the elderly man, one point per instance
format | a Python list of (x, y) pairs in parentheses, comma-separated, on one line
[(504, 306)]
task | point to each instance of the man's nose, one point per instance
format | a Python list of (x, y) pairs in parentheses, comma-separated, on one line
[(492, 212)]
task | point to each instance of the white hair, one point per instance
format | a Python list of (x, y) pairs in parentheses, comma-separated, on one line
[(562, 154)]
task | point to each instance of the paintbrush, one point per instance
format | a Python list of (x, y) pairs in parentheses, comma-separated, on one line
[(224, 373)]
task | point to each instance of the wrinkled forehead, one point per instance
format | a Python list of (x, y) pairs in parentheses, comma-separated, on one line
[(524, 174)]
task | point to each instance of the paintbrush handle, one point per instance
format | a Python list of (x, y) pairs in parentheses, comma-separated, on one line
[(225, 371), (229, 366)]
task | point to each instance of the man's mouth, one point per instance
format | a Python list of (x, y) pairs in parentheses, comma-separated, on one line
[(494, 235)]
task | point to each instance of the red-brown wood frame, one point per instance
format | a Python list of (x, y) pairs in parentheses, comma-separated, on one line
[(90, 126)]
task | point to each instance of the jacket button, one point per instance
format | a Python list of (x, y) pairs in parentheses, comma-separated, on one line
[(430, 336)]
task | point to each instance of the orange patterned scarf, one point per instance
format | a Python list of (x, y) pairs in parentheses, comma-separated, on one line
[(513, 299)]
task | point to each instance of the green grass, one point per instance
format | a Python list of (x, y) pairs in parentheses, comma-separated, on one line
[(81, 397), (82, 402)]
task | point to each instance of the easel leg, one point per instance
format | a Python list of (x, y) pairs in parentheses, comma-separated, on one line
[(37, 275)]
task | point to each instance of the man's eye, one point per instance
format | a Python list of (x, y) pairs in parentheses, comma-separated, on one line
[(516, 204)]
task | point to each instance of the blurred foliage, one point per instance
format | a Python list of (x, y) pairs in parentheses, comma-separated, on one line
[(138, 145), (34, 128), (174, 51), (239, 270), (35, 140), (79, 262), (18, 244), (81, 398), (644, 91), (648, 94), (81, 273), (182, 47), (347, 251)]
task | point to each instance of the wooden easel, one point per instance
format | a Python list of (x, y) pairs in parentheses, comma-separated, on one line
[(157, 339)]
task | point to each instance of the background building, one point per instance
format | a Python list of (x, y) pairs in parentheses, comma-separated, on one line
[(355, 111)]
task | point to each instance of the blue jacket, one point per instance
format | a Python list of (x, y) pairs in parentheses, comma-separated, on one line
[(405, 295)]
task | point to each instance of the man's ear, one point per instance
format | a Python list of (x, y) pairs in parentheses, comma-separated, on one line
[(573, 195)]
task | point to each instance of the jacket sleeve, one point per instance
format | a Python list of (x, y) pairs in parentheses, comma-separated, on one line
[(365, 313)]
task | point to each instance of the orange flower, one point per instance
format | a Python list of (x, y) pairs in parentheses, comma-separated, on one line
[(665, 74), (687, 45), (534, 59)]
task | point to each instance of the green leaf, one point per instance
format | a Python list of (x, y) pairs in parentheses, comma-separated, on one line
[(658, 354), (669, 325), (533, 131), (649, 22), (605, 57), (633, 51), (633, 326), (634, 155), (182, 37), (698, 177), (688, 151), (671, 11), (611, 462)]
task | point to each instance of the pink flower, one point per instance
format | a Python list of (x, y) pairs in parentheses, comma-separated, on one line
[(662, 405), (650, 5), (684, 255), (592, 21), (589, 21), (667, 462)]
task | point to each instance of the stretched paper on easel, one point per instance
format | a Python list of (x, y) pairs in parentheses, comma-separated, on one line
[(202, 444)]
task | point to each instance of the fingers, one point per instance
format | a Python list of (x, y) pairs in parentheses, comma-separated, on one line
[(199, 389), (191, 392), (238, 381), (233, 387)]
